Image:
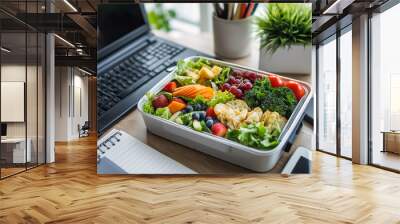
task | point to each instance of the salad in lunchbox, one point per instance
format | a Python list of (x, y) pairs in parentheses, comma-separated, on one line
[(236, 104)]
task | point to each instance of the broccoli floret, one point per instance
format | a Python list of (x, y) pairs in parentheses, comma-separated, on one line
[(281, 99)]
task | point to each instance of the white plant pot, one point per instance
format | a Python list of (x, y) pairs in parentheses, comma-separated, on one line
[(295, 60), (232, 38)]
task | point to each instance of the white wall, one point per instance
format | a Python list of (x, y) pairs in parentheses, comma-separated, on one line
[(69, 82), (61, 103), (33, 126), (12, 73)]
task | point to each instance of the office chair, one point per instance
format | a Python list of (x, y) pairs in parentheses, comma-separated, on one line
[(84, 130)]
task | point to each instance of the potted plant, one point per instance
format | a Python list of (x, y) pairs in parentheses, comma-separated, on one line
[(159, 18), (285, 38)]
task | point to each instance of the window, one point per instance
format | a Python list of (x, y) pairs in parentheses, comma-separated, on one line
[(334, 122), (190, 17), (346, 93), (385, 89), (327, 96)]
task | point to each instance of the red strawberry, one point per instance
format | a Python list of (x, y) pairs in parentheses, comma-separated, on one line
[(170, 87), (179, 100), (218, 129), (160, 101), (210, 112)]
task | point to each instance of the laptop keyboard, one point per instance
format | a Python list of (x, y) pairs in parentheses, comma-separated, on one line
[(144, 64)]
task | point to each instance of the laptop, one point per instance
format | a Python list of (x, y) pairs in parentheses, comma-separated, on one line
[(130, 60)]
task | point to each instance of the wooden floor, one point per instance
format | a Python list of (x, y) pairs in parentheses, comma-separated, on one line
[(70, 191), (386, 159)]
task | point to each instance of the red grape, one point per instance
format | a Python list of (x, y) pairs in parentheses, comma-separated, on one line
[(232, 80), (237, 73), (238, 81), (240, 86), (245, 75), (252, 76), (226, 86), (232, 88), (235, 91), (247, 86)]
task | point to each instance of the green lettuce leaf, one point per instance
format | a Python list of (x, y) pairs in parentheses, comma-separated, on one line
[(184, 80), (223, 76), (220, 97), (255, 135), (163, 112), (148, 106)]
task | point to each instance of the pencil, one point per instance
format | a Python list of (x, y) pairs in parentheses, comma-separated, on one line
[(243, 10), (229, 8), (254, 9), (237, 12), (249, 9)]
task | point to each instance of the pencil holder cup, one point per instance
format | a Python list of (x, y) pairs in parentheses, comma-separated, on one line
[(232, 38)]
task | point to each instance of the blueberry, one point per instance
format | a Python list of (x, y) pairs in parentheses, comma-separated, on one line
[(209, 118), (188, 109), (203, 107), (195, 116), (209, 123), (202, 115), (196, 107)]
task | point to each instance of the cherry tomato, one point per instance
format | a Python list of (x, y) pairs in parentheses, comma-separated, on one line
[(275, 80), (210, 112), (297, 89), (170, 87)]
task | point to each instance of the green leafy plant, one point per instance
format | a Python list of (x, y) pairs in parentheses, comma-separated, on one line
[(284, 25), (159, 17)]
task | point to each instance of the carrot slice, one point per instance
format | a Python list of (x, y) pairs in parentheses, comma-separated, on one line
[(192, 91), (176, 106)]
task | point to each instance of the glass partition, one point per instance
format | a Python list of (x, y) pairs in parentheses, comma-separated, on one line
[(13, 94), (327, 96), (22, 101)]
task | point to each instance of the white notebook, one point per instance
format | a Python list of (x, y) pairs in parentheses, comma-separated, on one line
[(120, 153)]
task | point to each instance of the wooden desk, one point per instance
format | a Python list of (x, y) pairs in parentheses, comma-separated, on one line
[(391, 141), (133, 123)]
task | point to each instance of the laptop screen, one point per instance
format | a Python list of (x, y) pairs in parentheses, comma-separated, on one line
[(115, 21)]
